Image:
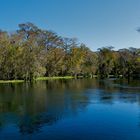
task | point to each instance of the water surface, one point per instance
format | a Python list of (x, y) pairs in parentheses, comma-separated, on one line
[(70, 110)]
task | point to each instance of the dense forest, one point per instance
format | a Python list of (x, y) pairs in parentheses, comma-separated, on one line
[(31, 52)]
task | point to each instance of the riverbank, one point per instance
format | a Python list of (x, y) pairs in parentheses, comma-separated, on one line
[(53, 78), (11, 81), (37, 79)]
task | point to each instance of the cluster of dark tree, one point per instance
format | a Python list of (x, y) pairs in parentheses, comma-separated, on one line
[(31, 52)]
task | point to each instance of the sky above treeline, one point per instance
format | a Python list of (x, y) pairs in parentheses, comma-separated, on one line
[(97, 23)]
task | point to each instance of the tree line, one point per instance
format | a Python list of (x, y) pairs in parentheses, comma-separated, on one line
[(31, 52)]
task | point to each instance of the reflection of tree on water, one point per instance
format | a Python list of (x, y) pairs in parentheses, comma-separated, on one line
[(125, 92), (41, 103), (46, 102), (31, 124)]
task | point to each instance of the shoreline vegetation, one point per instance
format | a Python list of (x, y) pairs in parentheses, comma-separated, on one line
[(48, 78), (57, 78), (11, 81), (45, 79), (37, 79), (33, 54), (53, 78)]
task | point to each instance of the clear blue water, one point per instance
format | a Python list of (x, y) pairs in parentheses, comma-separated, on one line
[(86, 109)]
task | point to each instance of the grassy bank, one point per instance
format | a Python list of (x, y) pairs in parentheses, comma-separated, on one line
[(53, 78), (37, 79), (11, 81)]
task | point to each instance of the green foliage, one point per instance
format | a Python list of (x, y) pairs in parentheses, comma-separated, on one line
[(53, 78), (31, 52), (105, 61)]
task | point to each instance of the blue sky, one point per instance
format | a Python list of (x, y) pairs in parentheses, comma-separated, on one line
[(96, 23)]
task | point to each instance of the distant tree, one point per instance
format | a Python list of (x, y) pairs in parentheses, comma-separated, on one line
[(105, 61)]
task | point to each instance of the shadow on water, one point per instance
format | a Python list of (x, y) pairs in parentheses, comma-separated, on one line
[(30, 107)]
